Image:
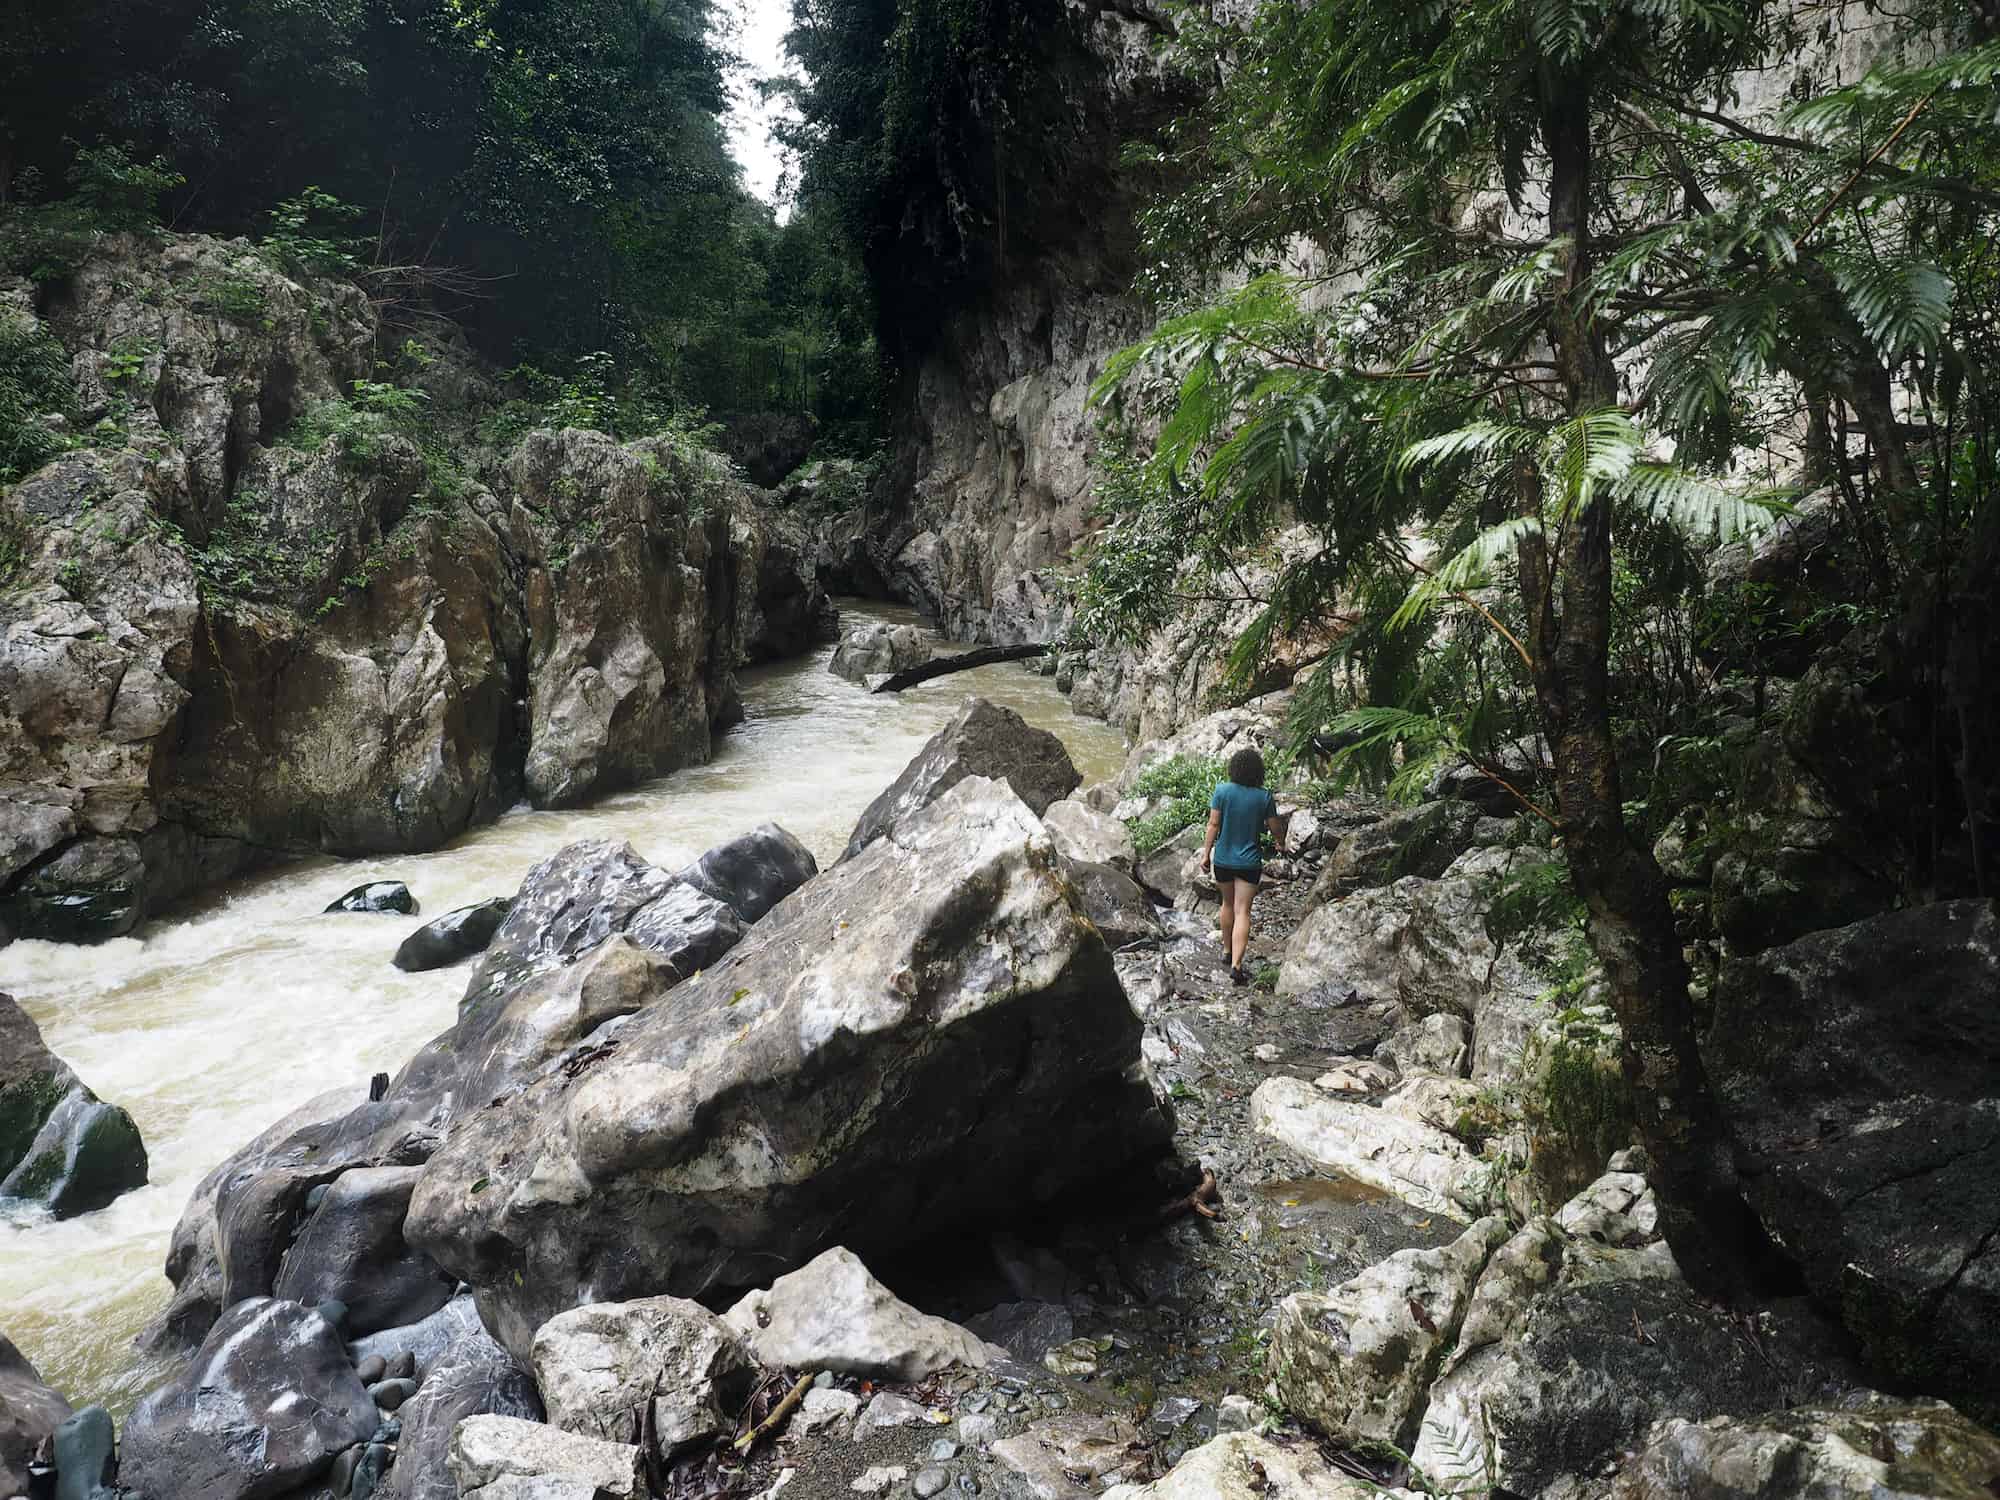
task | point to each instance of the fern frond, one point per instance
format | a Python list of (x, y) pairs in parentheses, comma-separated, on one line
[(1465, 570), (1484, 439), (1701, 507)]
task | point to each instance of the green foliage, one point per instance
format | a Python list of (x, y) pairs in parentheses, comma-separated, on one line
[(238, 297), (305, 234), (1187, 781), (118, 192), (34, 384)]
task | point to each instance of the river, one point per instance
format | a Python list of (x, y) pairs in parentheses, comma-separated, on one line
[(211, 1024)]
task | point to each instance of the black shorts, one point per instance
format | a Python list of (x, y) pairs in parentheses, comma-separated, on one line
[(1249, 876)]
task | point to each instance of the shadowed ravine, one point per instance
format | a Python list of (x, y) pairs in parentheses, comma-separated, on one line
[(210, 1024)]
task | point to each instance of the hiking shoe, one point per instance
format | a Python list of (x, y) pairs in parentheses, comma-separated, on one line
[(1239, 976)]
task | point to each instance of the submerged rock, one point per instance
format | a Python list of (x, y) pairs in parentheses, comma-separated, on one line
[(377, 896), (453, 936), (30, 1413), (1860, 1068), (60, 1145), (265, 1405), (984, 740), (831, 1314), (927, 1037)]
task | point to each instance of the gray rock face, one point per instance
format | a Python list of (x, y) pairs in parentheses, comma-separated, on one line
[(352, 1250), (1861, 1069), (871, 649), (1112, 899), (831, 1314), (489, 1450), (1876, 1449), (631, 616), (982, 739), (914, 1039), (1416, 1162), (1083, 833), (465, 1375), (597, 1367), (60, 1144), (1409, 841), (752, 874), (455, 935), (267, 1403), (30, 1413)]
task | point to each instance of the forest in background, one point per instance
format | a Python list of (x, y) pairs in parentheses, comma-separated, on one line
[(554, 177)]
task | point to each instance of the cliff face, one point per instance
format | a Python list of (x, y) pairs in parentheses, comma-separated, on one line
[(249, 614), (989, 475)]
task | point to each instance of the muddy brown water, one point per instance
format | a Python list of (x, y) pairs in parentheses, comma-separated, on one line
[(210, 1024)]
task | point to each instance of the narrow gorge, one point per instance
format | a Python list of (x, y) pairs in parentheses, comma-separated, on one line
[(626, 637)]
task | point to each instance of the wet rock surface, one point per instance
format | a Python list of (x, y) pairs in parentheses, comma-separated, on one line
[(60, 1145), (452, 937), (30, 1413), (872, 650)]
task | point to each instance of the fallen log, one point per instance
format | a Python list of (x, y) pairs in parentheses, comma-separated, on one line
[(941, 666)]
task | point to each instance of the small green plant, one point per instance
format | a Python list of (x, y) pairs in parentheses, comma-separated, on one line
[(69, 573), (1266, 978), (238, 298), (305, 234), (34, 384), (126, 358), (1187, 782)]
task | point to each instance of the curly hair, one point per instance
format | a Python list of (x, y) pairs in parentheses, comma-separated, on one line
[(1246, 768)]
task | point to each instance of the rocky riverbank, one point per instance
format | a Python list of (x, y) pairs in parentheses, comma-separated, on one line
[(1149, 1233), (255, 612)]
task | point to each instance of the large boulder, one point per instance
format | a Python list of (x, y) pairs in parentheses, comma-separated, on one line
[(753, 872), (30, 1413), (1579, 1336), (1422, 840), (593, 934), (631, 613), (831, 1314), (1413, 1161), (1860, 1070), (983, 740), (351, 1250), (872, 649), (1084, 834), (263, 1408), (598, 1368), (1873, 1449), (60, 1145), (1357, 1362), (927, 1037), (464, 1374)]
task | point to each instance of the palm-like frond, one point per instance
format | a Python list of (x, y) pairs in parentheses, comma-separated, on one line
[(1700, 506), (1465, 570)]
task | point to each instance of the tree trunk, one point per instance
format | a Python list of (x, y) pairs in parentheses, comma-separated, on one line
[(1566, 586)]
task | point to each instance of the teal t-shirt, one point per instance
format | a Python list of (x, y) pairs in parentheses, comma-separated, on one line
[(1244, 811)]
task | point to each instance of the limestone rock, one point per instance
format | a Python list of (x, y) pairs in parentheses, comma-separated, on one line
[(752, 873), (929, 1034), (1877, 1449), (352, 1250), (1423, 1166), (488, 1449), (1859, 1067), (872, 649), (1439, 1043), (1113, 900), (60, 1145), (597, 1367), (1057, 1456), (1357, 1363), (455, 935), (831, 1314), (30, 1413), (263, 1408), (1084, 834), (1410, 841), (1246, 1466), (982, 740)]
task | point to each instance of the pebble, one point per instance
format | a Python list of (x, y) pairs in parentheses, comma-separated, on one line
[(368, 1473), (968, 1485), (341, 1480), (1266, 1052), (979, 1402), (823, 1381), (943, 1451), (1174, 1412), (978, 1429), (877, 1480), (390, 1394), (403, 1366), (390, 1431), (334, 1311), (1236, 1414), (372, 1369), (931, 1481)]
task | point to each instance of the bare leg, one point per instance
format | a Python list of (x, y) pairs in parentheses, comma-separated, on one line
[(1243, 893), (1227, 916)]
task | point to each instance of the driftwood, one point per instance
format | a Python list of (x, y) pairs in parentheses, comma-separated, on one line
[(778, 1414), (942, 666)]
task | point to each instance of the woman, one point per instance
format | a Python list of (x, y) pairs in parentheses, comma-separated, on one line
[(1238, 812)]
